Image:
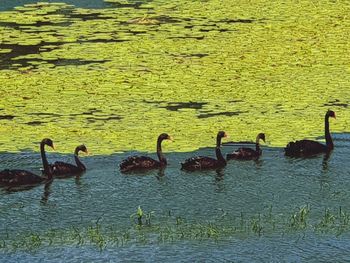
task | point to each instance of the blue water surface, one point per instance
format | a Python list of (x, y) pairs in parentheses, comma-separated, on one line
[(103, 193), (9, 4)]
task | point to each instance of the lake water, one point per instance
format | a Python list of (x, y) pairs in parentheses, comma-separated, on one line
[(274, 188), (9, 4), (115, 74)]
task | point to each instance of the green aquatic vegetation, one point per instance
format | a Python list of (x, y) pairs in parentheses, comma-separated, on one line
[(337, 222), (107, 76), (173, 228), (256, 226), (143, 218), (299, 219)]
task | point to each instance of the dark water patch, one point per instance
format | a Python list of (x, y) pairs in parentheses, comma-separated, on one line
[(184, 55), (6, 117), (35, 123), (163, 19), (239, 20), (90, 116), (187, 37), (336, 103), (137, 32), (17, 50), (210, 26), (175, 106), (89, 16), (235, 101), (34, 25), (56, 62), (225, 113), (108, 118), (75, 62), (94, 115), (112, 40), (206, 30), (91, 111), (225, 30), (279, 108), (8, 60), (44, 114)]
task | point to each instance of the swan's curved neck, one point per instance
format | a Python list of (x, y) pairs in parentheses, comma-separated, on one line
[(47, 169), (77, 160), (160, 154), (257, 145), (218, 153), (329, 141)]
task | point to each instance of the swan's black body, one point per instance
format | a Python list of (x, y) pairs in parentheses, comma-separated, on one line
[(62, 168), (134, 163), (248, 153), (21, 177), (305, 148), (206, 163)]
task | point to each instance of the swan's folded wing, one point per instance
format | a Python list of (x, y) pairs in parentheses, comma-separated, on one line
[(138, 162), (199, 163)]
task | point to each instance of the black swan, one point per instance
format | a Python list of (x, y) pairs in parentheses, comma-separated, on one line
[(248, 153), (143, 162), (304, 148), (61, 168), (204, 163), (22, 177)]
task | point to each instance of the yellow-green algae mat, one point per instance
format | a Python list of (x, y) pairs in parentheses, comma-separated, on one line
[(115, 78)]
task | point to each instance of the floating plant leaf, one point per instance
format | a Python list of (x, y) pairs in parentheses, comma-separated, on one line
[(160, 66)]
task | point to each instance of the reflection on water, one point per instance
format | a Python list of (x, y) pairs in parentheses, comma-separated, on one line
[(274, 184), (47, 191)]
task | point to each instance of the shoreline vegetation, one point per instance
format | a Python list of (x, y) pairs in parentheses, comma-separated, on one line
[(148, 228)]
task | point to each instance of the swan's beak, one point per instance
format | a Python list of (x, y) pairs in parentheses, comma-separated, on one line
[(334, 116), (87, 152), (53, 147), (170, 138), (226, 135)]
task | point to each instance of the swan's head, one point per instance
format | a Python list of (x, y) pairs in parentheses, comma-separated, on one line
[(261, 136), (81, 148), (222, 134), (331, 113), (48, 142), (165, 136)]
